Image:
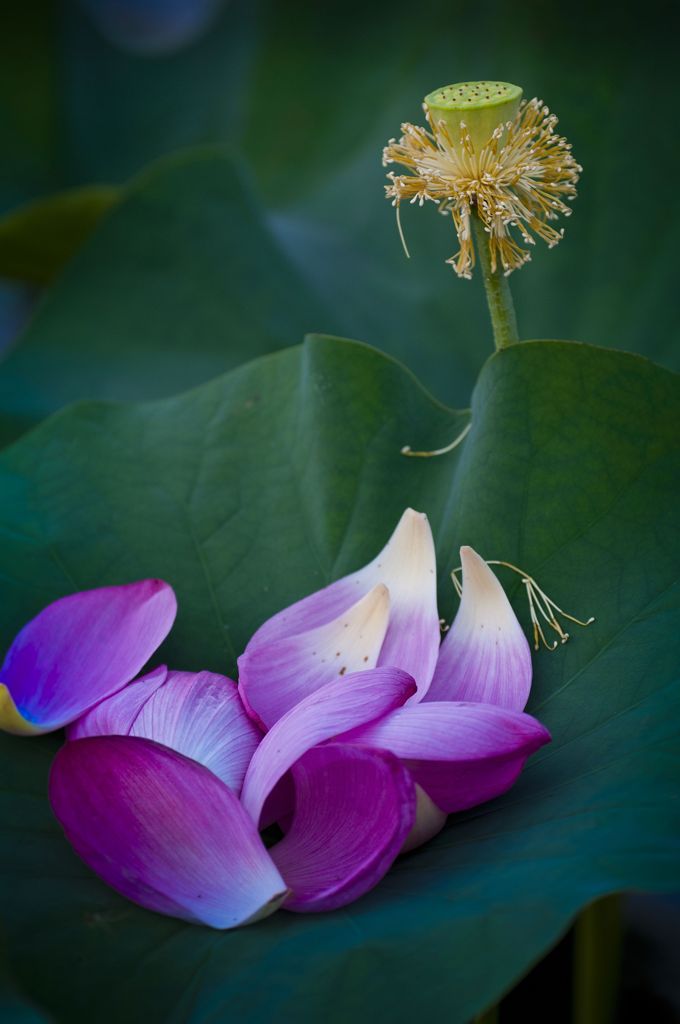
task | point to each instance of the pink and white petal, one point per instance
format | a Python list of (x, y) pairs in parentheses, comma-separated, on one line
[(354, 808), (429, 822), (83, 648), (485, 655), (275, 676), (200, 715), (163, 831), (406, 566), (115, 715), (461, 754), (336, 708)]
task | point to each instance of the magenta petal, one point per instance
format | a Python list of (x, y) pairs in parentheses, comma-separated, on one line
[(461, 754), (85, 647), (198, 714), (406, 566), (337, 707), (163, 831), (485, 655), (354, 808), (275, 676)]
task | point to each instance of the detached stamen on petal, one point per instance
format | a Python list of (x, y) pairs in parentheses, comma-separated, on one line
[(274, 677), (485, 655)]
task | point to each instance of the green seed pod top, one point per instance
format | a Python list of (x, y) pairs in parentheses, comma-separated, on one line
[(481, 105)]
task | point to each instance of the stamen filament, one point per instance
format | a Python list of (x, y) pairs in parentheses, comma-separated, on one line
[(406, 450), (401, 234), (538, 602), (517, 181)]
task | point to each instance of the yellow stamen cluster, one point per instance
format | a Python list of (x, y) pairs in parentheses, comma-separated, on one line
[(521, 178)]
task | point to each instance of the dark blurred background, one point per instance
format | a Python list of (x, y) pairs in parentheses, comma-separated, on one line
[(279, 226)]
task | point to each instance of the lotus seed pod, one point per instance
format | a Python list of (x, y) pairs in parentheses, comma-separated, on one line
[(482, 106)]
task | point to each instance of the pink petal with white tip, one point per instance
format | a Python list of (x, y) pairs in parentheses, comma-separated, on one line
[(485, 655), (275, 676), (406, 566)]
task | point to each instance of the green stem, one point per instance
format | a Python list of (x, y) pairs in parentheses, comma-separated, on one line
[(597, 962), (498, 295)]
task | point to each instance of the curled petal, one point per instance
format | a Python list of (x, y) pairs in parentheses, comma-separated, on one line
[(460, 754), (163, 831), (354, 808), (485, 655), (336, 708), (198, 714), (275, 676), (406, 566), (81, 649), (278, 807)]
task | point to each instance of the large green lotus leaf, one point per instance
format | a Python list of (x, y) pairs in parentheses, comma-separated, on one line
[(256, 488), (307, 99)]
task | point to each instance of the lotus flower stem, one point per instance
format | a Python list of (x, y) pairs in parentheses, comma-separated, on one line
[(597, 955), (495, 165), (497, 288)]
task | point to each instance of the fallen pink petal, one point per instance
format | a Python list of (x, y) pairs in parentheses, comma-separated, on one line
[(198, 714), (80, 649), (165, 780), (163, 831), (397, 589), (485, 655), (354, 809)]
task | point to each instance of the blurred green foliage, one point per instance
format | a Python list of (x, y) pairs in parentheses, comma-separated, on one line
[(304, 97)]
